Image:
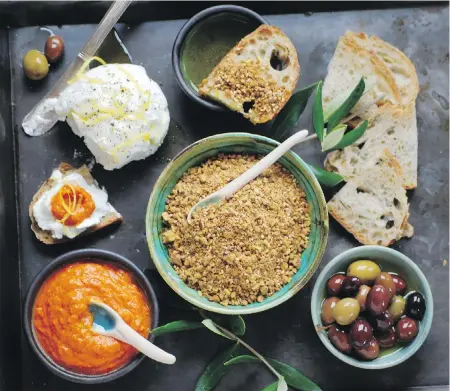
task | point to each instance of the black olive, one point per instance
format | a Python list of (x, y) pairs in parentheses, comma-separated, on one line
[(415, 306)]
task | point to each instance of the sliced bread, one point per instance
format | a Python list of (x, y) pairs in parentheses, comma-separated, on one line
[(393, 128), (46, 236), (398, 63), (348, 65), (257, 77), (373, 206)]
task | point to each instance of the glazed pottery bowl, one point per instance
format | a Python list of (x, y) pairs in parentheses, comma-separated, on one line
[(391, 261), (236, 143), (200, 24), (98, 256)]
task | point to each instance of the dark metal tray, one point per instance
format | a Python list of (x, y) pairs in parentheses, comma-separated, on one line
[(285, 332)]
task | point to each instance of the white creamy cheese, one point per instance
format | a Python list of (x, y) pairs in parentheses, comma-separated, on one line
[(121, 113), (42, 208)]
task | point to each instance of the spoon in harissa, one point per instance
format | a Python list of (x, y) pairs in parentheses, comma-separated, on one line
[(109, 323), (228, 190)]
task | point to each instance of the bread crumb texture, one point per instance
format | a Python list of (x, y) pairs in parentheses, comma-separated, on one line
[(243, 249)]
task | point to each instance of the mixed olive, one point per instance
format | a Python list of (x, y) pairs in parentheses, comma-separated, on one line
[(366, 310), (36, 64)]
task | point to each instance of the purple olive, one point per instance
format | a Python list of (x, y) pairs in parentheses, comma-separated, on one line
[(361, 333), (400, 284), (54, 48), (370, 351), (340, 339), (350, 286), (406, 329), (334, 284), (387, 281), (387, 339), (377, 300), (382, 322)]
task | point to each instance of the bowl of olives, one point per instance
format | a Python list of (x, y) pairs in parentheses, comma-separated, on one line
[(372, 307)]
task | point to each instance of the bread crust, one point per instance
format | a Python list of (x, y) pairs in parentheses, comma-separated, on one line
[(46, 236), (245, 75)]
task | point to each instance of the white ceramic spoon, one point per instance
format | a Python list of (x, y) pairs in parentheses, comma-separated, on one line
[(108, 322), (228, 190)]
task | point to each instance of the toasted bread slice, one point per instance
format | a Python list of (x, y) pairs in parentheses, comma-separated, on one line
[(257, 77), (393, 128), (349, 64), (46, 236), (373, 206), (398, 63)]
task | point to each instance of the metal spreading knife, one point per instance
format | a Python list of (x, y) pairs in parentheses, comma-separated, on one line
[(40, 120)]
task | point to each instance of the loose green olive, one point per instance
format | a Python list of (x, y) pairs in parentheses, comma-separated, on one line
[(397, 307), (345, 311), (35, 65), (54, 48), (327, 307), (366, 271), (387, 281), (362, 296)]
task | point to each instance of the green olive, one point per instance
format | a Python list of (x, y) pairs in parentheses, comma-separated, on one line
[(345, 311), (366, 271), (35, 65), (397, 307)]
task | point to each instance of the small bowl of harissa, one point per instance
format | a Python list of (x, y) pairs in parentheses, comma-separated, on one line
[(250, 252)]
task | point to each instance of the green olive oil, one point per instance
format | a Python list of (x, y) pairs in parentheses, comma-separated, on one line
[(209, 41)]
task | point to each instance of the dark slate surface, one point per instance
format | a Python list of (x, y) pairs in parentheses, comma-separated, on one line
[(286, 332)]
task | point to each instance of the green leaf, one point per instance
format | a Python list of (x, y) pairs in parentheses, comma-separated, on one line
[(209, 324), (317, 114), (292, 376), (289, 115), (340, 99), (173, 327), (325, 177), (215, 371), (352, 136), (333, 138), (237, 325), (348, 104), (242, 358), (271, 387)]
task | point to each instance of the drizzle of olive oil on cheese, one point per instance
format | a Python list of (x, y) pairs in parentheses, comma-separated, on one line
[(209, 42)]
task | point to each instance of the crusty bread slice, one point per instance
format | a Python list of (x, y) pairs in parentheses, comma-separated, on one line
[(46, 236), (393, 128), (349, 64), (373, 206), (257, 77), (398, 63)]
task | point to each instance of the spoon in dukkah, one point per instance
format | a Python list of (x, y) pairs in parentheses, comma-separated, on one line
[(228, 190), (109, 323)]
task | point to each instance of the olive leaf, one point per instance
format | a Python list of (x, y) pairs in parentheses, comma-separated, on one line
[(271, 387), (354, 135), (317, 114), (209, 324), (279, 385), (237, 325), (215, 371), (292, 376), (178, 325), (289, 115), (339, 100), (333, 138), (325, 177), (343, 110)]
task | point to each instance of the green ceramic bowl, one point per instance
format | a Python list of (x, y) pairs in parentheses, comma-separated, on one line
[(391, 261), (236, 143)]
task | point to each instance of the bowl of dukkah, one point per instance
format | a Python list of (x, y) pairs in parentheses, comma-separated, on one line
[(58, 321), (245, 254), (372, 307)]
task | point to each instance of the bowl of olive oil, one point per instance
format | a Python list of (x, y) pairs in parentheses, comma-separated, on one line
[(204, 40)]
